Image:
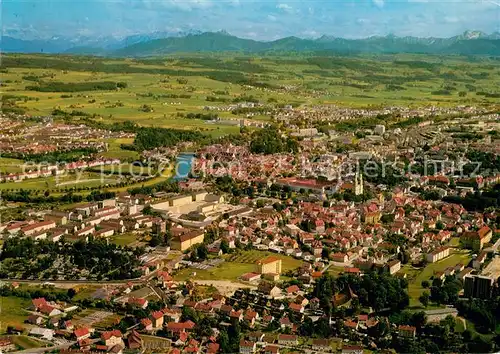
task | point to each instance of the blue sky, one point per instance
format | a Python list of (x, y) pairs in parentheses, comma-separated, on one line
[(256, 19)]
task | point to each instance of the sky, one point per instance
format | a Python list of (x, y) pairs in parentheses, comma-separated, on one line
[(254, 19)]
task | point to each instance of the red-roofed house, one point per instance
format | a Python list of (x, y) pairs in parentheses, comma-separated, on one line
[(407, 331), (157, 319), (288, 339), (213, 348), (147, 324), (111, 338), (81, 333), (38, 303), (138, 302)]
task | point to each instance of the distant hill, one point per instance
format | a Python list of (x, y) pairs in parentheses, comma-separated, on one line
[(223, 42), (468, 43)]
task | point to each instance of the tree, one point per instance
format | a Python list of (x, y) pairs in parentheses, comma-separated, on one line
[(71, 292), (418, 319), (156, 240), (225, 346), (425, 284), (224, 246), (189, 314), (234, 333), (202, 251), (424, 298)]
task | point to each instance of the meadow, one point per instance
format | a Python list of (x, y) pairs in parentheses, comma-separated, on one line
[(164, 91), (62, 183), (415, 276), (235, 266), (13, 312)]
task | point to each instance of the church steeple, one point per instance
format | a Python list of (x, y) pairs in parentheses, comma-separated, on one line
[(358, 184)]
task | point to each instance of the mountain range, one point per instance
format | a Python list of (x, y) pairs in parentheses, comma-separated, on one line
[(161, 43)]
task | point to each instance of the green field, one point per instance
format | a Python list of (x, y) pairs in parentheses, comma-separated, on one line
[(415, 276), (25, 342), (125, 239), (162, 92), (235, 266), (115, 152), (8, 165), (63, 182), (13, 311)]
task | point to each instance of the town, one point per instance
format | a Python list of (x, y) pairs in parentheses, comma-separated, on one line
[(299, 237)]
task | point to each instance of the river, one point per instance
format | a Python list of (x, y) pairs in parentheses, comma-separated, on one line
[(183, 165)]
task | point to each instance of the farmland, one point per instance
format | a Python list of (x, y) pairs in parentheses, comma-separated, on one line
[(165, 91)]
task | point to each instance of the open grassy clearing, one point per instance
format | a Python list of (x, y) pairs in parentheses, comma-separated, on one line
[(115, 152), (235, 266), (62, 182), (25, 342), (415, 276), (251, 257), (84, 292), (125, 239), (8, 165), (13, 312)]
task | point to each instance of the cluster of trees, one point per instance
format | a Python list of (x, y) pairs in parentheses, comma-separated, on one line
[(485, 314), (445, 292), (271, 141), (148, 138), (203, 116), (237, 64), (467, 136), (198, 253), (488, 94), (9, 103), (55, 156), (96, 196), (379, 291), (250, 110), (486, 161), (430, 194), (477, 201), (74, 113), (56, 86), (97, 257), (159, 239), (165, 186), (146, 108), (157, 96), (380, 173), (29, 196), (34, 293), (217, 99)]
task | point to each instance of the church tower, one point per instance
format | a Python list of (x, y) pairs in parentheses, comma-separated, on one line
[(358, 184)]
